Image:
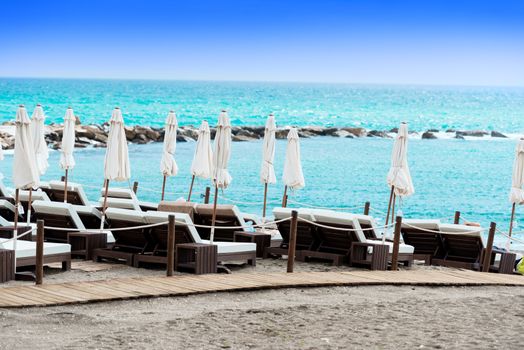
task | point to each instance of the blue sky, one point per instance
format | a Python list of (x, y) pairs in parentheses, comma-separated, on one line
[(366, 41)]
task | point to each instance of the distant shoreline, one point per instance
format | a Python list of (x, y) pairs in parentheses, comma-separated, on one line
[(95, 135)]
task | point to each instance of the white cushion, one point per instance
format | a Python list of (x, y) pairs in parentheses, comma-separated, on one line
[(122, 203), (402, 248), (232, 247), (37, 195), (71, 187), (148, 205), (428, 224), (282, 213), (118, 192), (7, 205), (26, 249), (87, 210), (134, 216), (328, 217)]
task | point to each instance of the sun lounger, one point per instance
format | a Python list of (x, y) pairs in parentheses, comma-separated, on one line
[(226, 215), (307, 238), (26, 253), (188, 208), (463, 247), (75, 193), (185, 232), (351, 245), (127, 242), (65, 215), (424, 236)]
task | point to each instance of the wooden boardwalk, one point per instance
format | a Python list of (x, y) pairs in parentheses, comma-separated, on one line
[(141, 287)]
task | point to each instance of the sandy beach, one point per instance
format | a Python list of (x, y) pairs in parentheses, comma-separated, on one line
[(316, 318)]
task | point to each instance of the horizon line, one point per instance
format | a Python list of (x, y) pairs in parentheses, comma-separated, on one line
[(267, 81)]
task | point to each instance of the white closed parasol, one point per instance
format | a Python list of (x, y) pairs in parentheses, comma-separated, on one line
[(267, 170), (202, 165), (67, 161), (293, 177), (39, 144), (168, 166), (399, 177), (516, 194), (116, 165), (221, 154), (25, 169)]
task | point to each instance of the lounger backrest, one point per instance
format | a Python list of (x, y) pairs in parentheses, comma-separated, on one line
[(89, 215), (117, 192), (306, 232), (178, 207), (368, 225), (75, 192), (131, 239), (7, 210), (185, 232), (120, 203), (226, 215), (37, 195), (423, 235), (334, 239), (56, 214), (462, 242)]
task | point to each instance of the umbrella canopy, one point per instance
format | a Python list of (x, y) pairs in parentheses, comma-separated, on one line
[(168, 165), (516, 195), (39, 144), (25, 169), (116, 165), (222, 152), (267, 171), (399, 175), (293, 176), (202, 165), (67, 161)]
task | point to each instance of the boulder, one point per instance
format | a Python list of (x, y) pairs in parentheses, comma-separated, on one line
[(313, 131), (394, 130), (331, 131), (498, 134), (83, 140), (281, 133), (101, 138), (343, 133), (428, 135), (474, 133), (451, 130), (149, 133), (377, 133), (460, 137), (241, 138), (182, 138), (130, 133), (433, 130), (358, 132), (259, 130), (77, 120), (247, 134), (80, 145), (85, 132)]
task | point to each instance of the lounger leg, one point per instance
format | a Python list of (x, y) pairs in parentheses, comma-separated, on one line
[(66, 265), (252, 262)]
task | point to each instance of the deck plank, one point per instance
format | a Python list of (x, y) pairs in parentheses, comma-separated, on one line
[(137, 287)]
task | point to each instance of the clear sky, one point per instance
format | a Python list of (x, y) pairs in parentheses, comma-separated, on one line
[(470, 42)]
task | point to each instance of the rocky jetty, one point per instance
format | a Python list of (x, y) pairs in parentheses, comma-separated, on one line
[(96, 135)]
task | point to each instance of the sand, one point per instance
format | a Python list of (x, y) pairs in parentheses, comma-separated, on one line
[(317, 318)]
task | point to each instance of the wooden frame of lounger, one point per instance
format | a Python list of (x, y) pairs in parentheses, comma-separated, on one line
[(64, 258), (128, 243), (428, 245), (183, 234), (126, 199), (466, 250)]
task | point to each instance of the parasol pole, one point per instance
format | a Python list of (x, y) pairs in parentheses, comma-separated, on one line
[(284, 201), (30, 199), (106, 184), (65, 185), (163, 187), (387, 215), (15, 232), (191, 188), (214, 217), (265, 202)]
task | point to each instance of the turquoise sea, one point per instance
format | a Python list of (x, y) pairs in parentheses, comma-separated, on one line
[(472, 176)]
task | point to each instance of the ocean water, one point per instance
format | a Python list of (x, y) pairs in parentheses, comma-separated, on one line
[(370, 106), (473, 176)]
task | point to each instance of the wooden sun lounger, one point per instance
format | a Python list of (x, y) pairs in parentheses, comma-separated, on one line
[(127, 242), (53, 252), (185, 232), (75, 193), (465, 249), (57, 214), (226, 215)]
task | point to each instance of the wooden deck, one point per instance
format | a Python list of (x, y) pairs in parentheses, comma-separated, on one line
[(131, 288)]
